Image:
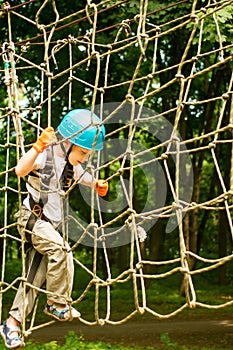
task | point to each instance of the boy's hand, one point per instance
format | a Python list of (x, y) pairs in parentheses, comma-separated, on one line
[(101, 187), (46, 138)]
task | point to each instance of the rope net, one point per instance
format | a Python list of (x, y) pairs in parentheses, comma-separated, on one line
[(78, 54)]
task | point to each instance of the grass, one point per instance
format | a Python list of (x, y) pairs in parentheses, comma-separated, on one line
[(72, 342)]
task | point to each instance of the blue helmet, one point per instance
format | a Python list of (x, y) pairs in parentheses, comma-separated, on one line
[(77, 126)]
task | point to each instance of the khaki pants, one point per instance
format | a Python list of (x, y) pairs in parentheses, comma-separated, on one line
[(56, 267)]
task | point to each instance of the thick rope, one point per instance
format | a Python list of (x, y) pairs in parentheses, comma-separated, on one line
[(147, 35)]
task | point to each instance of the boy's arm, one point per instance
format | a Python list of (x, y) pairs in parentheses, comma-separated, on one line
[(101, 186), (28, 161)]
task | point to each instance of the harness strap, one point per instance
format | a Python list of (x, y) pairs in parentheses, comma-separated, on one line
[(33, 269), (37, 207), (67, 176), (37, 212)]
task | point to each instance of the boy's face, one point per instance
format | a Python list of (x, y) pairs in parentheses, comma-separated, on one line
[(78, 155)]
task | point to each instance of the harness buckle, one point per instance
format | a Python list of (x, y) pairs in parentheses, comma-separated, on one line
[(37, 210), (68, 182)]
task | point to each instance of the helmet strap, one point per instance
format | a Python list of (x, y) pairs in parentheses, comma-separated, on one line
[(68, 172), (66, 153)]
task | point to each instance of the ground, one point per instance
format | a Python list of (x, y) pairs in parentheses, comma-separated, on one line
[(205, 331)]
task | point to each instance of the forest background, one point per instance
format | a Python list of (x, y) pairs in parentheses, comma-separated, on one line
[(207, 232)]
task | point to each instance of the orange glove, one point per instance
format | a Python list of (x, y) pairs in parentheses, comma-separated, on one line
[(46, 138), (101, 187)]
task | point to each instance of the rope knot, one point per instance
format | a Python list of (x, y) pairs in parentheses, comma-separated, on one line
[(194, 17), (139, 265), (126, 27), (94, 54), (179, 76), (164, 156), (195, 58), (129, 97), (177, 205), (141, 310), (121, 171), (101, 322), (175, 139), (212, 145), (131, 211), (6, 6), (25, 47), (203, 9), (137, 18), (225, 96), (192, 304), (150, 76), (41, 27)]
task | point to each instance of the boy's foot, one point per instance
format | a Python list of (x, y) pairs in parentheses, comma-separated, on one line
[(11, 336), (61, 312)]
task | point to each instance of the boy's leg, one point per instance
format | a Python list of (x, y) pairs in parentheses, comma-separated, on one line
[(23, 303), (60, 268), (11, 334)]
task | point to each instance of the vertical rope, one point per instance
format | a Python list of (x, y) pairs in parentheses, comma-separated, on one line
[(47, 40), (231, 123), (129, 32)]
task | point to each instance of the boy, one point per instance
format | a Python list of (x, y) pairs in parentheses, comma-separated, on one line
[(51, 170)]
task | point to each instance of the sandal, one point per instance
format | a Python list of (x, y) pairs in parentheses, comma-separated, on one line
[(51, 310), (14, 342)]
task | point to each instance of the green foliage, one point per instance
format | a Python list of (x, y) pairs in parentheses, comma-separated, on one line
[(165, 338), (215, 23), (195, 121), (73, 342)]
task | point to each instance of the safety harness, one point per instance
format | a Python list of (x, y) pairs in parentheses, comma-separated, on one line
[(45, 175)]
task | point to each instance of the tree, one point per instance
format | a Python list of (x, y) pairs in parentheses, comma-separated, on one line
[(176, 53)]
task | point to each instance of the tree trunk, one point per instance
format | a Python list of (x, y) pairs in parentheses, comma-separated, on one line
[(156, 244), (222, 241)]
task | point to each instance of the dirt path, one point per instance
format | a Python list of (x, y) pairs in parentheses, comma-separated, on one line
[(146, 332)]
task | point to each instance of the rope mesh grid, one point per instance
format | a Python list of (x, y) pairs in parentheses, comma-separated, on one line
[(145, 36)]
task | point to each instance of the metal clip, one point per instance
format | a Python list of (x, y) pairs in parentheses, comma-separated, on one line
[(37, 210)]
